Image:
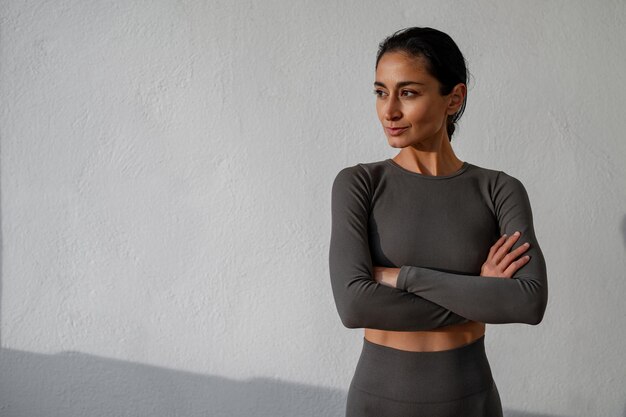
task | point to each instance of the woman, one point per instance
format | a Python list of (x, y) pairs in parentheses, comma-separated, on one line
[(425, 248)]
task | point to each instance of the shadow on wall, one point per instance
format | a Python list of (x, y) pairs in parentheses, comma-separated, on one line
[(73, 384)]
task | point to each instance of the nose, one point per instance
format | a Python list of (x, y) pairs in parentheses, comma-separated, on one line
[(392, 110)]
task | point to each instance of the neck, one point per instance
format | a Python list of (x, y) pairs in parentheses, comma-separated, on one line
[(437, 159)]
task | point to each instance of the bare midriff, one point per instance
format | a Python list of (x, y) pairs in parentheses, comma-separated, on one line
[(442, 338)]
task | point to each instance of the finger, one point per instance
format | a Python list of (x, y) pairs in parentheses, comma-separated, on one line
[(511, 256), (519, 250), (516, 265), (497, 245), (506, 246)]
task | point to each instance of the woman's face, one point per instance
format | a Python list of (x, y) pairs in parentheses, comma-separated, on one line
[(408, 102)]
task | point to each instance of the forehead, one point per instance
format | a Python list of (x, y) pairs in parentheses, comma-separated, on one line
[(399, 66)]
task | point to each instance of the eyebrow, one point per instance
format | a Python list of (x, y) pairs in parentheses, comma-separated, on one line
[(399, 83)]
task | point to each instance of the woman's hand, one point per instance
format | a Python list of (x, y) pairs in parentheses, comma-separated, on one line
[(386, 276), (502, 264)]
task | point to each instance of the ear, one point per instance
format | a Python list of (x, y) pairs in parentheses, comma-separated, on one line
[(456, 97)]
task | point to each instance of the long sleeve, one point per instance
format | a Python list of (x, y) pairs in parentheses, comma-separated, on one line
[(360, 300), (519, 299)]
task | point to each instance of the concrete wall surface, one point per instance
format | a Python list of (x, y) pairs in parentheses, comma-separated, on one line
[(165, 174)]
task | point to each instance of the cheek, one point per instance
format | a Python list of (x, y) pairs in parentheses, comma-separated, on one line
[(419, 113), (425, 112)]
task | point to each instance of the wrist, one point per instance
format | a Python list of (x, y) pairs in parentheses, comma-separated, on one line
[(390, 277), (403, 273), (386, 276)]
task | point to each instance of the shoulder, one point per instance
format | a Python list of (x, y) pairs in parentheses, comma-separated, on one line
[(350, 181), (498, 180), (350, 176), (359, 181), (507, 183), (510, 195), (362, 173), (485, 174)]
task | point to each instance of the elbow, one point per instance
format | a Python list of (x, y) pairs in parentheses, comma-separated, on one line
[(534, 319), (535, 312), (351, 316), (531, 307), (350, 306), (350, 322)]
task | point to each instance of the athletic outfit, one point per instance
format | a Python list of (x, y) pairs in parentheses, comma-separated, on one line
[(438, 230)]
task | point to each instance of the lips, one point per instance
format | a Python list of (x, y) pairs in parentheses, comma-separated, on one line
[(395, 131)]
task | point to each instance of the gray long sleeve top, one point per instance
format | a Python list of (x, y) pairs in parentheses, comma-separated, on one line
[(438, 230)]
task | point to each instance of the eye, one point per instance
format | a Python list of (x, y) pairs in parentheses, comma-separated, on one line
[(409, 93), (378, 92)]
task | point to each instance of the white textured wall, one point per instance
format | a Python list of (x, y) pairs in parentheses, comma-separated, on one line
[(165, 198)]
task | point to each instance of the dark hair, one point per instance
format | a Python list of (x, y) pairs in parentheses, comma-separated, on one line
[(442, 58)]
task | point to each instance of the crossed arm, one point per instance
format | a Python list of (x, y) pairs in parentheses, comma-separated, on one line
[(520, 298), (425, 298)]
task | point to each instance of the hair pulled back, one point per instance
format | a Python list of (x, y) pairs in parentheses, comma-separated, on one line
[(441, 56)]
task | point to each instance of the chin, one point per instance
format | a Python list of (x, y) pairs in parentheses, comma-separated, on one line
[(396, 143), (399, 143)]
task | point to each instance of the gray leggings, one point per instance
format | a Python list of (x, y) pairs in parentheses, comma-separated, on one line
[(390, 382)]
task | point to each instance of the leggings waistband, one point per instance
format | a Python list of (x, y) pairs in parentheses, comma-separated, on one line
[(423, 376)]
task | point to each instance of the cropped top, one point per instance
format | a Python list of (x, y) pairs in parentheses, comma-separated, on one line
[(438, 230)]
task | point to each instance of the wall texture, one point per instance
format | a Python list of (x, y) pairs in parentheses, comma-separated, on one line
[(165, 198)]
